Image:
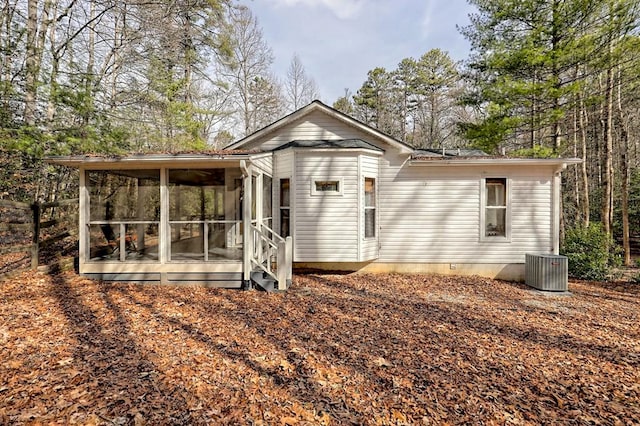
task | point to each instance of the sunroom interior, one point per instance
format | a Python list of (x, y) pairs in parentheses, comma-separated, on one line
[(203, 219)]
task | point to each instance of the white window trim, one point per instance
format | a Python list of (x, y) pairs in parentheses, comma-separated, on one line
[(483, 201), (279, 207), (337, 193)]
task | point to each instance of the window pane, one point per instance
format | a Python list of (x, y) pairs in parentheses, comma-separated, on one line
[(104, 242), (496, 192), (285, 229), (196, 194), (187, 242), (267, 196), (284, 192), (217, 236), (370, 192), (327, 186), (254, 189), (141, 242), (124, 195), (369, 223), (495, 222)]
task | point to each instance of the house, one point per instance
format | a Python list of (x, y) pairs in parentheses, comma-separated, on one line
[(315, 189)]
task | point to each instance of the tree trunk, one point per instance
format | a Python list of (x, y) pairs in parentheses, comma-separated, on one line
[(626, 176), (557, 82), (90, 71), (53, 75), (576, 180), (6, 19), (608, 154), (31, 63), (36, 37), (585, 174)]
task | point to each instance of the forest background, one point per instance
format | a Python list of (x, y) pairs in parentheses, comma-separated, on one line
[(544, 78)]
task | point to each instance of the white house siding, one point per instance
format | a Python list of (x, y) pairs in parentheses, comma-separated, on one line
[(426, 214), (313, 126), (432, 214), (369, 169), (326, 226)]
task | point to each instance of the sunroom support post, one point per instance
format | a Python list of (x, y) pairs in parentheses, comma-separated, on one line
[(140, 210), (83, 219), (164, 228), (247, 239), (259, 200)]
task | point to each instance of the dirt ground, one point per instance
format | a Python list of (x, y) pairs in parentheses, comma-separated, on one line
[(334, 349)]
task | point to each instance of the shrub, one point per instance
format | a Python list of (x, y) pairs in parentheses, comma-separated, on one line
[(591, 253)]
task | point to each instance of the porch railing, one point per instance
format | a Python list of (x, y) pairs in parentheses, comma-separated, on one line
[(272, 254), (121, 238)]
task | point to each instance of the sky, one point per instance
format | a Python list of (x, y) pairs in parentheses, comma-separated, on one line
[(339, 41)]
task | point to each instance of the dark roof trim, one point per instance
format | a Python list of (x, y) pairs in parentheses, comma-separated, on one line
[(330, 144), (442, 153)]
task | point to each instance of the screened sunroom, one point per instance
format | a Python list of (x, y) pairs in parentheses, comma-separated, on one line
[(177, 218)]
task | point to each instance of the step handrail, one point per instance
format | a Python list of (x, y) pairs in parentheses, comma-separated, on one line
[(263, 249), (267, 244)]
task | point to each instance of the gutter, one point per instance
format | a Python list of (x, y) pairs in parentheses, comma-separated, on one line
[(245, 168), (141, 161), (561, 162)]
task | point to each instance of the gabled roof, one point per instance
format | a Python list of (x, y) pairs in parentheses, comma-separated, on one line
[(330, 144), (319, 106)]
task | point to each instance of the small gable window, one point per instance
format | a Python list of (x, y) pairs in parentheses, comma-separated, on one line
[(326, 187)]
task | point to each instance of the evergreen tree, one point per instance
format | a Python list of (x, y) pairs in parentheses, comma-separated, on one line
[(373, 101), (523, 52), (436, 111)]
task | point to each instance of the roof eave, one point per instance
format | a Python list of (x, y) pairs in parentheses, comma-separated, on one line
[(142, 160)]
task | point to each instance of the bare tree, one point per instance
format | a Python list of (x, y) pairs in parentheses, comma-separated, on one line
[(36, 29), (300, 89), (248, 69)]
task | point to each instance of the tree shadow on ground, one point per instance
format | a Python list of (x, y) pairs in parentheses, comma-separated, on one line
[(113, 369), (365, 349)]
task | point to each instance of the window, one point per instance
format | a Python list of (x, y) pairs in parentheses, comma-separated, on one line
[(197, 216), (495, 209), (326, 187), (369, 208), (285, 207), (267, 199), (124, 215)]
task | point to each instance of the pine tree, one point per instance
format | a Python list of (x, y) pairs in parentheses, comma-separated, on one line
[(524, 51)]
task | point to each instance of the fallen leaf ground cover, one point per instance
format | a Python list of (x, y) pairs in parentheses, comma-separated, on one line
[(334, 349)]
